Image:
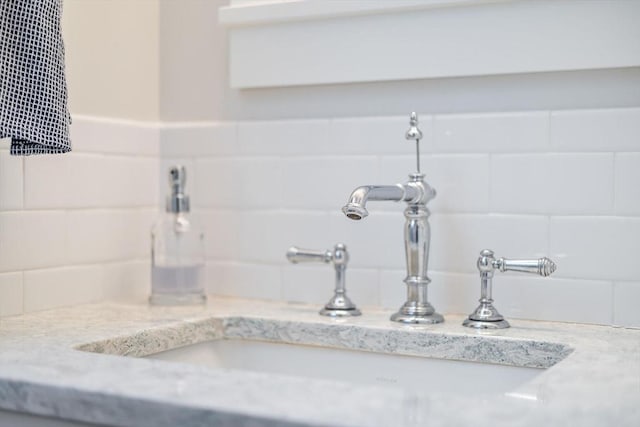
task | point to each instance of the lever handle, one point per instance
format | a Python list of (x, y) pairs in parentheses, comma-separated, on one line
[(486, 316), (542, 266), (339, 304), (297, 255)]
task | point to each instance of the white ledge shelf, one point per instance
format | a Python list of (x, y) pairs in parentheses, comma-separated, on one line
[(312, 42)]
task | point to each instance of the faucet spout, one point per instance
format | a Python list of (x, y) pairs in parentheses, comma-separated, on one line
[(417, 233), (356, 206)]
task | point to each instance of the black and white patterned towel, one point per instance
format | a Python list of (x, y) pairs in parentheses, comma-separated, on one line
[(33, 89)]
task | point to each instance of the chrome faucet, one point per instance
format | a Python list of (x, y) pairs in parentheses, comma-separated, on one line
[(339, 305), (486, 316), (416, 192)]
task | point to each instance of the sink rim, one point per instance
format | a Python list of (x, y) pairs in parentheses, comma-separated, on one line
[(466, 346)]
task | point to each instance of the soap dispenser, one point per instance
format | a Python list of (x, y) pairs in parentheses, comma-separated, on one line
[(177, 250)]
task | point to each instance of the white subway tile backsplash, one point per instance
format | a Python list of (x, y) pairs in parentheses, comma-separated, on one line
[(106, 235), (315, 283), (604, 248), (88, 183), (127, 281), (596, 130), (492, 132), (221, 233), (216, 181), (325, 182), (458, 239), (552, 183), (97, 181), (396, 169), (363, 287), (260, 237), (259, 182), (134, 182), (373, 242), (284, 137), (515, 296), (375, 135), (245, 280), (51, 288), (137, 232), (308, 283), (78, 180), (47, 181), (93, 236), (551, 298), (112, 136), (625, 304), (198, 139), (11, 294), (44, 239), (305, 229), (627, 184), (393, 291), (525, 184), (12, 250), (11, 182), (454, 292), (461, 180), (49, 231)]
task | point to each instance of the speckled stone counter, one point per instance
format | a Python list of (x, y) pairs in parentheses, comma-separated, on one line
[(69, 364)]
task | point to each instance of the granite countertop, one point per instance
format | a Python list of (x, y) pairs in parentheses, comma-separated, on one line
[(67, 363)]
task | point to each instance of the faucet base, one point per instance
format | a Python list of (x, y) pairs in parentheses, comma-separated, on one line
[(414, 313), (340, 306), (486, 316), (417, 308), (338, 312), (486, 324), (428, 319)]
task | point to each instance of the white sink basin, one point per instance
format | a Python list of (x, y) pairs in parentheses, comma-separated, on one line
[(408, 372)]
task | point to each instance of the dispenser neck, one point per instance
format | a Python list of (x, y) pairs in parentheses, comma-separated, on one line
[(177, 201)]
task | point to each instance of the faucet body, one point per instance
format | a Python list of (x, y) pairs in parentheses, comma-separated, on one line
[(417, 233)]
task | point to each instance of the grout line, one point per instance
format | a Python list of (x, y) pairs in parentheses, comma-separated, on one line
[(613, 303), (490, 195), (124, 209), (106, 263), (615, 182), (24, 293), (24, 182), (549, 235), (549, 144)]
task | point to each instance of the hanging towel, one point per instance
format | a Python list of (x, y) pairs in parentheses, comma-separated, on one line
[(33, 89)]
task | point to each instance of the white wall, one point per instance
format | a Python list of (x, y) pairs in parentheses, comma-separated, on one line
[(112, 58), (193, 61), (270, 168), (74, 228), (195, 83)]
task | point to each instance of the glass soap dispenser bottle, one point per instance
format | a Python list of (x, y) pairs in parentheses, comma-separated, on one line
[(177, 250)]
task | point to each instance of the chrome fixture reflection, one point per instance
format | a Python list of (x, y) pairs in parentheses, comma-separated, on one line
[(486, 316), (416, 193), (339, 305)]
